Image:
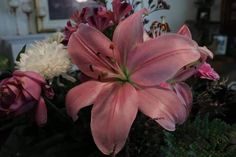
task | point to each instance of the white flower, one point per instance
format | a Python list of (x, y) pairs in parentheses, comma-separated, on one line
[(58, 37), (48, 59)]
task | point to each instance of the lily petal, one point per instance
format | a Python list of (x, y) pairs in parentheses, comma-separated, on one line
[(184, 30), (156, 61), (89, 50), (128, 34), (163, 106), (112, 116), (205, 53), (82, 96), (185, 74), (184, 93)]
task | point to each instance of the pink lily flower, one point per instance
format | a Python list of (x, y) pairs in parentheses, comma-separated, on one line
[(126, 73)]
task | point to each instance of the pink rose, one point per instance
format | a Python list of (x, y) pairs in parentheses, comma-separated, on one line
[(22, 92)]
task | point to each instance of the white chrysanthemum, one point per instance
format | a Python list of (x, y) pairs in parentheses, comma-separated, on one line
[(58, 37), (48, 59)]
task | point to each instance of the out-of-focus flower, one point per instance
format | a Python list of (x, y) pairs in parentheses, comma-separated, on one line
[(126, 75), (205, 71), (98, 21), (72, 25), (48, 59), (120, 10), (57, 37), (23, 92)]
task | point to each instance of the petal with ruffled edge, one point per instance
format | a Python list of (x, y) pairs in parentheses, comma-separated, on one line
[(163, 106), (112, 116), (157, 61), (128, 34), (33, 75), (41, 112), (31, 86), (89, 49), (81, 96)]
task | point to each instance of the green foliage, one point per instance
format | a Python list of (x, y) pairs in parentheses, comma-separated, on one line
[(201, 138), (4, 63), (213, 98)]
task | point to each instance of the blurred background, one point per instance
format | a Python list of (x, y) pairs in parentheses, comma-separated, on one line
[(212, 24)]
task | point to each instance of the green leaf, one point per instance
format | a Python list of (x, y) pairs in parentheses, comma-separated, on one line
[(4, 63), (21, 51)]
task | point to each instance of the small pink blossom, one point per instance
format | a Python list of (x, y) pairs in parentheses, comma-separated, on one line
[(23, 92), (205, 71)]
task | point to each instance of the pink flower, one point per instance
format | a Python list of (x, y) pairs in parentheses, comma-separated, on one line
[(200, 68), (22, 92), (98, 21), (120, 10), (205, 71), (72, 25), (126, 73)]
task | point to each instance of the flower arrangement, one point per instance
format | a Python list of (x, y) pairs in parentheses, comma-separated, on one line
[(121, 71)]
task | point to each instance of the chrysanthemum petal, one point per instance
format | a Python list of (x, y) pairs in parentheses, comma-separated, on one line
[(112, 116)]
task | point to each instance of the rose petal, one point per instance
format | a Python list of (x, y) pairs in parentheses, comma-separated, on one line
[(41, 112)]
